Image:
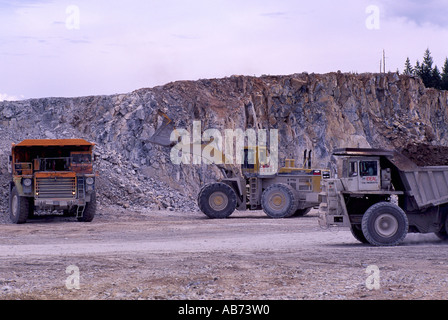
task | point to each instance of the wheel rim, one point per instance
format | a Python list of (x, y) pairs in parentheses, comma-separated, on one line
[(14, 205), (277, 201), (218, 201), (386, 225)]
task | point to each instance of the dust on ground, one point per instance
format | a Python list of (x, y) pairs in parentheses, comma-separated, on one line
[(184, 255)]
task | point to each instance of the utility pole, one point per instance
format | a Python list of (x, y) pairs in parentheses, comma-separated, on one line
[(383, 62)]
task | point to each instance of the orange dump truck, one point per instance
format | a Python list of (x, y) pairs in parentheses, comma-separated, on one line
[(52, 175)]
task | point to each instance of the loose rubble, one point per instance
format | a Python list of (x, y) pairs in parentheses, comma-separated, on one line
[(426, 155)]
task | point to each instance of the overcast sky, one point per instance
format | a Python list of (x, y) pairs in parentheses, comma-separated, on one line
[(79, 47)]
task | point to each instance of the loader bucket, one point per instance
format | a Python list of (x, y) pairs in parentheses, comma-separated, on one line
[(163, 133)]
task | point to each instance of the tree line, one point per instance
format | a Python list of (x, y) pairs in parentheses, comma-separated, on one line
[(431, 76)]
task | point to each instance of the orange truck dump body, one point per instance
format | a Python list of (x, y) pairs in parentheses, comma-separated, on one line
[(53, 142)]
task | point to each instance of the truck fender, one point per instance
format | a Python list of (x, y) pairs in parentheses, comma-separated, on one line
[(236, 185)]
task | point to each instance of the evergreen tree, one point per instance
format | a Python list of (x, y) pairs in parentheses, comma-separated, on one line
[(408, 70), (431, 76), (426, 69), (418, 69), (436, 78), (444, 82)]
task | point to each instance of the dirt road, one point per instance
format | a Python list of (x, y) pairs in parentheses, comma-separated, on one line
[(173, 255)]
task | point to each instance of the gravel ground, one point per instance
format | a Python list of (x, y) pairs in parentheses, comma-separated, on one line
[(173, 255)]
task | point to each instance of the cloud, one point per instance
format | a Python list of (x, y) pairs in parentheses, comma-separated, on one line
[(185, 37), (274, 14), (420, 12), (78, 41), (7, 97)]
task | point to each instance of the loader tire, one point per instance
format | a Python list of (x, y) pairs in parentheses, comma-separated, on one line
[(279, 201), (217, 200), (385, 224), (19, 207)]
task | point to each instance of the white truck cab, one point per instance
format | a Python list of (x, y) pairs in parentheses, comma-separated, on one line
[(361, 174)]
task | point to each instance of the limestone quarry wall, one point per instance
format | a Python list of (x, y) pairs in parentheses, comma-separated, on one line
[(311, 111)]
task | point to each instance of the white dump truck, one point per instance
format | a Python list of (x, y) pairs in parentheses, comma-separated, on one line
[(381, 196)]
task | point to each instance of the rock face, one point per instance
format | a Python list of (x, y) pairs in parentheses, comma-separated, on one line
[(310, 111)]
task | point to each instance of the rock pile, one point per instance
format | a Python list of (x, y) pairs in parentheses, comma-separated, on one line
[(426, 155), (132, 185)]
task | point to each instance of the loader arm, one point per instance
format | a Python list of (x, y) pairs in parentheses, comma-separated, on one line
[(210, 156), (163, 133)]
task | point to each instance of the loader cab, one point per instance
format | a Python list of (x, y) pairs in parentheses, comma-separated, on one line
[(361, 174), (250, 158), (255, 158)]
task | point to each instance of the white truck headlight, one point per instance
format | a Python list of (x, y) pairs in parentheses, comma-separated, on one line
[(27, 182), (90, 180)]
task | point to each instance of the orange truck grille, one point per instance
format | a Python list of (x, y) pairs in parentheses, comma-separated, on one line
[(56, 188)]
